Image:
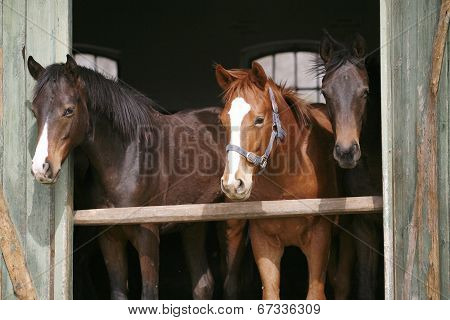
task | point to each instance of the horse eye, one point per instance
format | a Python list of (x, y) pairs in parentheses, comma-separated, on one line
[(365, 93), (68, 112), (259, 121)]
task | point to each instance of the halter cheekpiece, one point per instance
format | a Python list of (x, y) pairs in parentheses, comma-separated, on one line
[(277, 133)]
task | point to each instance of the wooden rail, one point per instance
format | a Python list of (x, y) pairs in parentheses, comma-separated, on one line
[(225, 211)]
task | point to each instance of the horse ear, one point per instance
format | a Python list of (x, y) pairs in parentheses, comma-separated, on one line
[(326, 47), (71, 66), (359, 46), (34, 68), (258, 75), (224, 77)]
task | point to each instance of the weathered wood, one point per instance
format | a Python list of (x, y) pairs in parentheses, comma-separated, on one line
[(386, 118), (63, 199), (14, 123), (224, 211), (40, 208), (1, 117), (444, 172), (14, 256), (42, 214), (426, 187), (415, 150)]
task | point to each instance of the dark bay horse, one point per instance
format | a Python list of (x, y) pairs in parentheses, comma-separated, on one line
[(272, 132), (355, 117), (137, 157)]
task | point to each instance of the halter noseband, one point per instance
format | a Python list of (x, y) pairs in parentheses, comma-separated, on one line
[(277, 133)]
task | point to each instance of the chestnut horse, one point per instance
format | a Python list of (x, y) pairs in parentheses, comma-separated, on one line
[(356, 125), (137, 157), (277, 150)]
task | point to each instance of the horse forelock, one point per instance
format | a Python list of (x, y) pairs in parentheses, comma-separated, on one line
[(243, 85)]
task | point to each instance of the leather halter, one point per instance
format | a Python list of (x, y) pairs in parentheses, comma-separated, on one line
[(277, 133)]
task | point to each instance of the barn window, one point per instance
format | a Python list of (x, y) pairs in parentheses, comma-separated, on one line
[(290, 62), (102, 60)]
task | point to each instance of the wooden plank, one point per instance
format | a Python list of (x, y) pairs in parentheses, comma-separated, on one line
[(224, 211), (431, 156), (414, 174), (42, 214), (387, 127), (14, 122), (1, 127), (63, 200), (443, 173), (409, 100), (40, 207), (14, 255)]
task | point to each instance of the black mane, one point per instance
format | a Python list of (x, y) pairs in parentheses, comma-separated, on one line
[(342, 54), (126, 108)]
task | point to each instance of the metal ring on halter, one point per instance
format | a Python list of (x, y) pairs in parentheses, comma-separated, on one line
[(277, 133)]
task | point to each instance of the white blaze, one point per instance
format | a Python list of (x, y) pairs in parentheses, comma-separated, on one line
[(239, 108), (41, 153)]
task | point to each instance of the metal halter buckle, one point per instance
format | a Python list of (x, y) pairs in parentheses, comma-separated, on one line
[(263, 163), (251, 157)]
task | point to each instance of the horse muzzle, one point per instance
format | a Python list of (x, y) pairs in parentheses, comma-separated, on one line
[(44, 174), (236, 189), (347, 157)]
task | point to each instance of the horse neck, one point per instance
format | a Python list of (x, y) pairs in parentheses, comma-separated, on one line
[(104, 146)]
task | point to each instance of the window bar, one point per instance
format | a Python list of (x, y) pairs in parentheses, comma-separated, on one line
[(273, 67), (318, 80), (295, 70)]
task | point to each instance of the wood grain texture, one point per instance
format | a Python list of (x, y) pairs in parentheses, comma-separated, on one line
[(386, 21), (426, 193), (42, 214), (63, 199), (13, 255), (1, 127), (415, 149), (444, 172), (40, 207), (14, 123), (224, 211)]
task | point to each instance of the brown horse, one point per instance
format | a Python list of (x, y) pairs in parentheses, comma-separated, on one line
[(277, 149), (356, 126), (137, 157)]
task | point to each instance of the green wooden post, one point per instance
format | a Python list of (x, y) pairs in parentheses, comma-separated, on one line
[(407, 31), (42, 214)]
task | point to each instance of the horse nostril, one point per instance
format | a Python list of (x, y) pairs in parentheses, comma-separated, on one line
[(338, 149), (240, 186), (355, 148), (46, 168)]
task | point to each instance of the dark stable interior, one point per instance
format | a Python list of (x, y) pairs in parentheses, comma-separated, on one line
[(166, 49)]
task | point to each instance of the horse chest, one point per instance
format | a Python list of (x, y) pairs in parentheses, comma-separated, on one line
[(287, 231)]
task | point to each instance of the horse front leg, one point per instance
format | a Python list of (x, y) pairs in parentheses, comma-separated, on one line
[(340, 269), (367, 243), (346, 261), (113, 246), (317, 251), (194, 241), (145, 238), (267, 251), (231, 234)]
